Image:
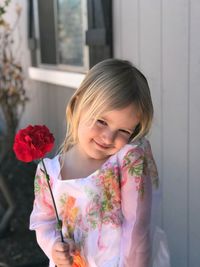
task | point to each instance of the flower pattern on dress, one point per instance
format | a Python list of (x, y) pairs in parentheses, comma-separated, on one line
[(69, 214), (74, 226), (41, 190), (152, 169), (105, 202), (134, 163), (139, 163), (105, 207)]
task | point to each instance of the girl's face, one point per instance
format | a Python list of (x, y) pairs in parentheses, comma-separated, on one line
[(104, 137)]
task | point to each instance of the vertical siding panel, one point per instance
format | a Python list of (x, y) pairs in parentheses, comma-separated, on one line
[(117, 28), (194, 177), (62, 98), (53, 113), (36, 110), (150, 64), (175, 126), (55, 104), (129, 30)]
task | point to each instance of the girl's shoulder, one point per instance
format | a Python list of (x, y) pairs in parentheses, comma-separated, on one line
[(52, 162), (138, 147), (52, 166), (138, 154)]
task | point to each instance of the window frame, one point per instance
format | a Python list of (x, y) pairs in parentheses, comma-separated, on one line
[(98, 35)]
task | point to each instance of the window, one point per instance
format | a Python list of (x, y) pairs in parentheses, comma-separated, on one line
[(72, 23), (70, 34)]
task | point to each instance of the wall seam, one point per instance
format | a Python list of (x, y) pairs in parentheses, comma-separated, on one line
[(188, 137), (161, 101), (139, 35)]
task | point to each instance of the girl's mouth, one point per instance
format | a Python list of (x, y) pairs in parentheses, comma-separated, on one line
[(103, 146)]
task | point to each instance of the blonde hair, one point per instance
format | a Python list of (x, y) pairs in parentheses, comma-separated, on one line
[(110, 84)]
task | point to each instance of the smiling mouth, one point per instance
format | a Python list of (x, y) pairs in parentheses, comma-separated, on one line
[(103, 146)]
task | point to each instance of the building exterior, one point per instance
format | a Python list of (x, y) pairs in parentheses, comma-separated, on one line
[(161, 38)]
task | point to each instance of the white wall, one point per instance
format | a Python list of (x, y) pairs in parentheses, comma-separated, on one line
[(162, 38)]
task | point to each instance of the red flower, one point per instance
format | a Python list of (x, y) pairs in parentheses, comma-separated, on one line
[(33, 143)]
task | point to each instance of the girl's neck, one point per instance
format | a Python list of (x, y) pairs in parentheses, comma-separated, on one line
[(78, 165)]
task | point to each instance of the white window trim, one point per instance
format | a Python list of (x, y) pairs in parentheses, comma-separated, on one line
[(63, 78)]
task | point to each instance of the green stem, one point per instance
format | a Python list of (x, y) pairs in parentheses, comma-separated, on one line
[(54, 204)]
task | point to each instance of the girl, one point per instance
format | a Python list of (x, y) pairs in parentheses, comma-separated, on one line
[(102, 178)]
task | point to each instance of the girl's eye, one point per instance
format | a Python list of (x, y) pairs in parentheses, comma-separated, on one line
[(125, 132), (101, 123)]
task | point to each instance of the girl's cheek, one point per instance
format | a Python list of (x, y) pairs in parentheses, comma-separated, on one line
[(95, 129), (122, 140)]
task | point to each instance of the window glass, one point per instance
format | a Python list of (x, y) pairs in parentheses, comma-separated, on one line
[(71, 32)]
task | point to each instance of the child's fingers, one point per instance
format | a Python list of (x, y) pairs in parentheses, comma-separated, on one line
[(64, 265), (60, 254), (72, 248), (62, 259), (62, 247)]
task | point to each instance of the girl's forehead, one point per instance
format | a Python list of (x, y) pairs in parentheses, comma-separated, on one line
[(127, 115), (130, 109)]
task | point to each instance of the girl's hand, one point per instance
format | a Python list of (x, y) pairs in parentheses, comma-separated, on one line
[(62, 253)]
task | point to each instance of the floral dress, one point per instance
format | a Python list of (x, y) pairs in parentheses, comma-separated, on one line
[(107, 214)]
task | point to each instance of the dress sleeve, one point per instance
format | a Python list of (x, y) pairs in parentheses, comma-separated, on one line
[(138, 173), (42, 218)]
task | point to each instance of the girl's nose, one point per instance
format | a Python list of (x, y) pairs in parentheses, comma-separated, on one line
[(108, 136)]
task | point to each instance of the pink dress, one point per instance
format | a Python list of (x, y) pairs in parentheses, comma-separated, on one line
[(107, 213)]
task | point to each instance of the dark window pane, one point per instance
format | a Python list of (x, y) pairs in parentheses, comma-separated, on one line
[(71, 30), (47, 31)]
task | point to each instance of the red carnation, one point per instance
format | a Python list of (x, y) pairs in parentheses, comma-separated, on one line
[(33, 143)]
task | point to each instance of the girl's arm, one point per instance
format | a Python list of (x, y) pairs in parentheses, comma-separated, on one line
[(138, 170), (42, 218)]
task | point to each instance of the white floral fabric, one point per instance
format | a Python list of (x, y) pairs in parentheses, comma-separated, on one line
[(107, 214)]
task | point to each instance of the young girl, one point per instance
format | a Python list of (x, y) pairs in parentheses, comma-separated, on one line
[(102, 178)]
